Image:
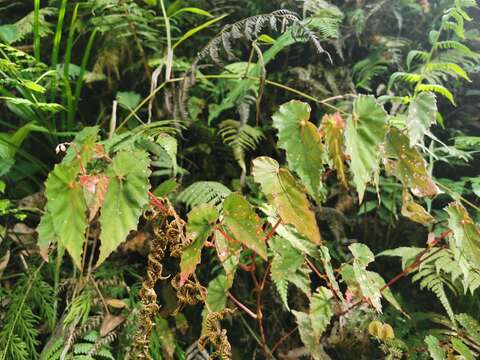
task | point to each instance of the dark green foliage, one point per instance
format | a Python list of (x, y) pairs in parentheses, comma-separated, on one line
[(238, 179)]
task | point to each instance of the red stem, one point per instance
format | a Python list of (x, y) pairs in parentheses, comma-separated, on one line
[(272, 232), (282, 339), (241, 306)]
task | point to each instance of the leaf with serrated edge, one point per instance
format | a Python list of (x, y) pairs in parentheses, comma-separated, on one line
[(217, 293), (284, 193), (364, 133), (408, 165), (125, 199), (367, 282), (321, 310), (301, 140), (46, 235), (466, 234), (228, 253), (244, 224), (434, 348), (67, 208), (201, 220), (83, 144), (288, 266), (421, 115), (305, 329)]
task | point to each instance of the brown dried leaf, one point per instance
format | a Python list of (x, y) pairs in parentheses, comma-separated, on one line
[(110, 322), (4, 262)]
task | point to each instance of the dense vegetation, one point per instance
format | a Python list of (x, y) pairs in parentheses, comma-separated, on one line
[(239, 179)]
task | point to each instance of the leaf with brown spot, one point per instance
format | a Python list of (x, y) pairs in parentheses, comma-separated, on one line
[(408, 165)]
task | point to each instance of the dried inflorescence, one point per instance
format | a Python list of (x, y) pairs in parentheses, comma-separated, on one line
[(169, 236), (217, 336)]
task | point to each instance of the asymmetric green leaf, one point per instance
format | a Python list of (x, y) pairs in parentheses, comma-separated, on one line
[(466, 234), (125, 199), (364, 133), (286, 196), (201, 220), (301, 140), (67, 208), (288, 266), (321, 310), (421, 115), (367, 282), (244, 224)]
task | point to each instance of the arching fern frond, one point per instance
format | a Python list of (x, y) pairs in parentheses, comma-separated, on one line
[(204, 192), (450, 69), (455, 45), (251, 28), (403, 76), (416, 55), (241, 138), (439, 89)]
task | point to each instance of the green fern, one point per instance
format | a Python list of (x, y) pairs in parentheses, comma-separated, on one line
[(441, 270), (204, 192), (446, 58), (288, 266), (19, 335), (241, 138)]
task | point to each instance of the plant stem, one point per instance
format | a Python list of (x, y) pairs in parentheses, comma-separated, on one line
[(78, 87), (36, 30), (169, 55), (241, 306)]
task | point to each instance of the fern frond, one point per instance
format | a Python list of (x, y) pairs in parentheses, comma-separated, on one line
[(471, 326), (20, 324), (54, 350), (204, 192), (437, 89), (450, 69), (403, 76), (365, 70), (288, 266), (455, 45), (241, 138), (416, 54), (251, 28)]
